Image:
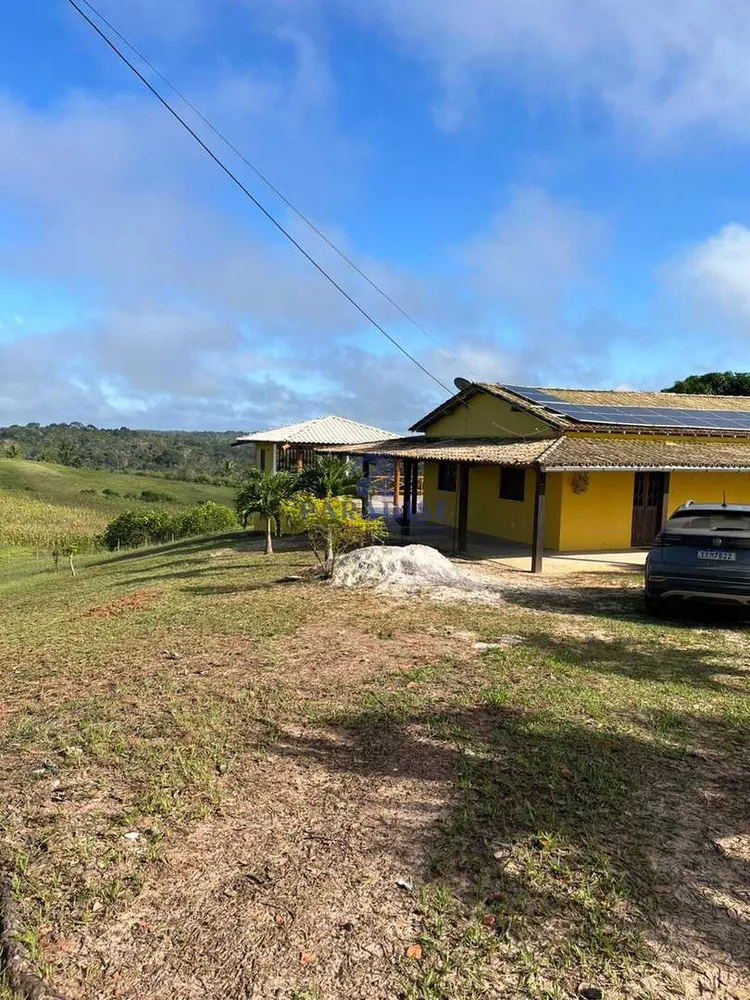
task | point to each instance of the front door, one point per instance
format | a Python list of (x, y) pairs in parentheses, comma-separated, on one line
[(648, 506)]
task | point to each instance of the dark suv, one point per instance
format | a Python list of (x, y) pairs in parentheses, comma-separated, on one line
[(702, 554)]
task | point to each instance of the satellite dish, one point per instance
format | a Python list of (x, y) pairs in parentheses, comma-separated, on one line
[(462, 383)]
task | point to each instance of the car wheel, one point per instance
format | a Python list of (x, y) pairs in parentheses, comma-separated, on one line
[(654, 605)]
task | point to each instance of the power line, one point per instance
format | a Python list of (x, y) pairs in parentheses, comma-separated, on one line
[(259, 173), (271, 218)]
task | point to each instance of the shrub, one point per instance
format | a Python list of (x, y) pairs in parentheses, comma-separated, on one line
[(333, 526), (88, 493), (205, 519), (154, 496), (138, 527), (110, 493), (144, 527)]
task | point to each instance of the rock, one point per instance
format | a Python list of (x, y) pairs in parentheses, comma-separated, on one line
[(502, 642), (590, 993)]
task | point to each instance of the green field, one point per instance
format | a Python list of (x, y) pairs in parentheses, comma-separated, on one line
[(42, 505), (220, 777)]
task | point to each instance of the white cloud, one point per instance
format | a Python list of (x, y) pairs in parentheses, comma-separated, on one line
[(712, 279), (534, 277), (661, 65), (536, 251), (198, 315)]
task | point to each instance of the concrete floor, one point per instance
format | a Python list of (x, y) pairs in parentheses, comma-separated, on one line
[(517, 556)]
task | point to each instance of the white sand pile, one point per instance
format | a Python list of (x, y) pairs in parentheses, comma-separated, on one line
[(412, 569)]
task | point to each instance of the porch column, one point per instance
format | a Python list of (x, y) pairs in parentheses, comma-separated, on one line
[(366, 494), (462, 543), (665, 500), (406, 509), (274, 457), (396, 481), (537, 541), (415, 486)]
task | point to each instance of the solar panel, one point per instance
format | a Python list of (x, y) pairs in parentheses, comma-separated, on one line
[(636, 416), (532, 394), (657, 416)]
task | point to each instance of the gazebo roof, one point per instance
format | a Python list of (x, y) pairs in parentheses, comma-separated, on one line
[(319, 431)]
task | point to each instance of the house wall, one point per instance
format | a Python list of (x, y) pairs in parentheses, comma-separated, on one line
[(601, 517), (490, 515), (708, 487), (488, 416), (267, 449)]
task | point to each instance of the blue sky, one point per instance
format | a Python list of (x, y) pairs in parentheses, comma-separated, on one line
[(556, 189)]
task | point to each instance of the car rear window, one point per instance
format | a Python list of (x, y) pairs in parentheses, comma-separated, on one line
[(719, 520)]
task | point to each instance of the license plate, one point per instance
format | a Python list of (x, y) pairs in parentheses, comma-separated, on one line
[(717, 555)]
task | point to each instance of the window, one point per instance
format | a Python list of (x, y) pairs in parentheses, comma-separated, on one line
[(262, 460), (708, 520), (447, 477), (512, 483)]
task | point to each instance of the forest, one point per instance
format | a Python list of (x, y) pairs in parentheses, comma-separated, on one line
[(199, 456)]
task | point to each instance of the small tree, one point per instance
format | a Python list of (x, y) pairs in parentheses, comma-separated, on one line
[(333, 526), (70, 551), (263, 494), (66, 453), (330, 476)]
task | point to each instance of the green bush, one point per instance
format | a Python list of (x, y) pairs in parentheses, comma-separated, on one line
[(206, 519), (154, 496), (138, 527), (110, 493), (146, 527)]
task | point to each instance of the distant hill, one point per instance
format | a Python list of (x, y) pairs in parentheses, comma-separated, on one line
[(186, 455), (42, 504)]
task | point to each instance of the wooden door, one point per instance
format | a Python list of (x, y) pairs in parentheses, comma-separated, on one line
[(648, 506)]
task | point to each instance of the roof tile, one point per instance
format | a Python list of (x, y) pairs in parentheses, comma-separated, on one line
[(320, 430)]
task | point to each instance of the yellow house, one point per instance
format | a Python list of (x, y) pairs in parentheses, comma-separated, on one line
[(573, 469)]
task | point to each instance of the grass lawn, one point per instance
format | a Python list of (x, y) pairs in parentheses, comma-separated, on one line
[(40, 502), (219, 783)]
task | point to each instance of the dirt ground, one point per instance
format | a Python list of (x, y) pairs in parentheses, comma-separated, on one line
[(401, 813)]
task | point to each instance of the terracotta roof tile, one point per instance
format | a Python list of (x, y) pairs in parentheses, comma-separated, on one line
[(486, 451), (563, 453), (585, 453)]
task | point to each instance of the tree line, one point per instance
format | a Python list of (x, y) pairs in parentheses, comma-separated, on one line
[(714, 384), (201, 456)]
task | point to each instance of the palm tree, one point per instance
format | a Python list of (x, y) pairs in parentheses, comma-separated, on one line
[(330, 476), (263, 494)]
